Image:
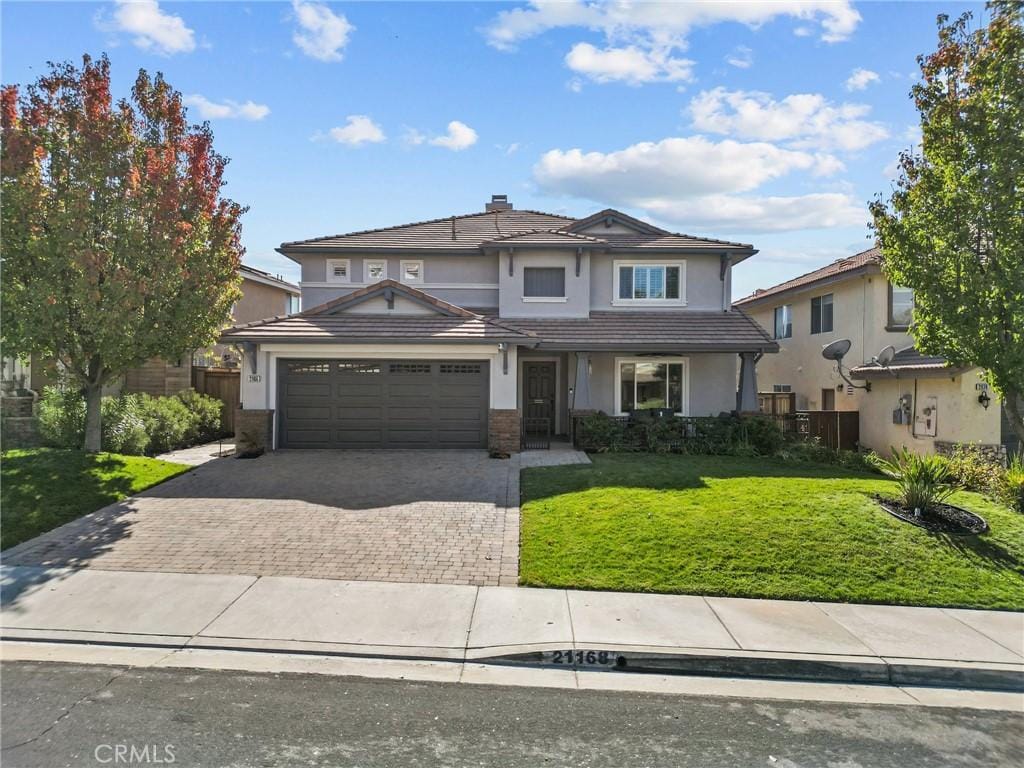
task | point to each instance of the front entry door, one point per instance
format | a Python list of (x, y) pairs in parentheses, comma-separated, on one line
[(539, 399)]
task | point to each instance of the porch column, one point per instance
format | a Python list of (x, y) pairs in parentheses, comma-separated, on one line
[(746, 395), (581, 393)]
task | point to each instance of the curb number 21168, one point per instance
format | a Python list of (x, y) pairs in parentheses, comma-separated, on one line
[(592, 658)]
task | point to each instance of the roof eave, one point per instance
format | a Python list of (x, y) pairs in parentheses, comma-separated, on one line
[(772, 298), (711, 348)]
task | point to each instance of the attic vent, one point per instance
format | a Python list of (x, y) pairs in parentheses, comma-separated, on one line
[(498, 203)]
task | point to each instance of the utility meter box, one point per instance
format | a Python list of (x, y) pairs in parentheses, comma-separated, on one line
[(926, 423), (901, 415)]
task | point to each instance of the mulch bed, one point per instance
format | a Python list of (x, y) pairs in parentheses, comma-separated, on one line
[(942, 518)]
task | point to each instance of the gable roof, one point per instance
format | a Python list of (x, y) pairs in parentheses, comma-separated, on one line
[(544, 237), (259, 276), (388, 288), (846, 266), (473, 232), (329, 323)]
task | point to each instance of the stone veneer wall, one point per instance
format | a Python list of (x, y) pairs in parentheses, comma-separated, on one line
[(994, 453), (254, 431), (503, 430), (18, 427)]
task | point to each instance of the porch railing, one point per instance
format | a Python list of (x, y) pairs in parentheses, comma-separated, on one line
[(536, 434)]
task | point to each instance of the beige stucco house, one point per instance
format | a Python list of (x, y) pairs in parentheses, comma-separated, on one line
[(914, 401), (468, 330)]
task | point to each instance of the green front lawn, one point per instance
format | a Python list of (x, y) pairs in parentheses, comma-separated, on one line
[(43, 487), (742, 527)]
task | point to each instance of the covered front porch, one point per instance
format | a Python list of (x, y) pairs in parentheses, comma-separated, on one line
[(556, 386)]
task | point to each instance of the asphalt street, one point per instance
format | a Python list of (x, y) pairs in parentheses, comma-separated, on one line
[(57, 715)]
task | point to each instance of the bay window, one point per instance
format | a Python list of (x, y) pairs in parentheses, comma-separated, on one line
[(646, 383), (638, 283)]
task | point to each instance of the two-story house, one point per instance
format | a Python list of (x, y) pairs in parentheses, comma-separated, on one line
[(451, 332), (914, 401)]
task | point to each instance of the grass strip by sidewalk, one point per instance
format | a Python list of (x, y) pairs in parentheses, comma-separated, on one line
[(750, 527), (43, 488)]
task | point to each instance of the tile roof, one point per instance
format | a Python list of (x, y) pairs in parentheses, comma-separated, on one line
[(335, 305), (848, 264), (355, 328), (545, 237), (472, 231), (684, 330), (451, 233), (265, 277), (908, 361)]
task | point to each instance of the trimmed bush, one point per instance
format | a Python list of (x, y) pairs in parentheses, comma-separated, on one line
[(124, 429), (62, 418), (205, 412), (762, 434), (168, 423)]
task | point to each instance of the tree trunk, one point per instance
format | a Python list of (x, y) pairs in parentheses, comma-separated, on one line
[(93, 419), (1011, 404)]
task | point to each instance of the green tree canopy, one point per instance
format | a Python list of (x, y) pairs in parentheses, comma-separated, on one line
[(117, 244), (953, 228)]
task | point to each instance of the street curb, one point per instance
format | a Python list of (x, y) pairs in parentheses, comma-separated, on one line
[(871, 670)]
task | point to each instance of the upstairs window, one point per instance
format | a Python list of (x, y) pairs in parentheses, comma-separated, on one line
[(337, 270), (412, 271), (821, 314), (293, 304), (375, 271), (901, 307), (544, 282), (650, 282), (784, 321)]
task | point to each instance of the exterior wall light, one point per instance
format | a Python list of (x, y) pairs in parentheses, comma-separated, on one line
[(984, 399)]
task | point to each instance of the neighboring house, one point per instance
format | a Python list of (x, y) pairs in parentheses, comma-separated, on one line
[(921, 403), (263, 296), (448, 333)]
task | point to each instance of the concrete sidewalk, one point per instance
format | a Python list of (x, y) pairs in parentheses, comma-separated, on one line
[(515, 626)]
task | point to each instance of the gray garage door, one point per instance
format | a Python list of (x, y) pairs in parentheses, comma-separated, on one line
[(382, 403)]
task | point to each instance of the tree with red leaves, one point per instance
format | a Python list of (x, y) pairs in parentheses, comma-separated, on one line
[(117, 244)]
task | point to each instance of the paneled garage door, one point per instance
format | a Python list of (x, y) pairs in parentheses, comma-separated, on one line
[(382, 403)]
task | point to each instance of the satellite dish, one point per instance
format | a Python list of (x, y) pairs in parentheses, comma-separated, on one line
[(836, 349), (886, 355)]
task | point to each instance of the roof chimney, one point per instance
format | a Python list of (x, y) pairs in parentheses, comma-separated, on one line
[(498, 203)]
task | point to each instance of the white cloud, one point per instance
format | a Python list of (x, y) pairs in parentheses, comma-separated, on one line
[(630, 64), (641, 38), (803, 119), (741, 57), (459, 137), (821, 210), (695, 181), (575, 85), (860, 79), (152, 28), (228, 109), (322, 34), (358, 130)]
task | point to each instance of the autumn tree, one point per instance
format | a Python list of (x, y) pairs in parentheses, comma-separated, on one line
[(117, 244), (953, 228)]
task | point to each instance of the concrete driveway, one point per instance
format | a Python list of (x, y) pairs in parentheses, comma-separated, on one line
[(447, 517)]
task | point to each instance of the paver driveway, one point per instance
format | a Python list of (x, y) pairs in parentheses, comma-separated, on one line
[(420, 516)]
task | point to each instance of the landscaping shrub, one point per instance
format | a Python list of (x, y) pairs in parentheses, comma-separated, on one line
[(923, 481), (1011, 486), (124, 429), (61, 417), (205, 412), (599, 433), (975, 471), (168, 423), (762, 434), (801, 451)]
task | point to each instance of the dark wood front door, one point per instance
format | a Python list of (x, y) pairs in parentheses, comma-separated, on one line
[(539, 397)]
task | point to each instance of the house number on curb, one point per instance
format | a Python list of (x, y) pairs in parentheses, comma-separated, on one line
[(585, 658)]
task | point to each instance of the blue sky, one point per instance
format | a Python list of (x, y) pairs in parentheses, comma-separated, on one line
[(766, 122)]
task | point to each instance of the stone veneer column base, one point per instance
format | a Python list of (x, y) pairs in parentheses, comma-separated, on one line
[(254, 431), (503, 430)]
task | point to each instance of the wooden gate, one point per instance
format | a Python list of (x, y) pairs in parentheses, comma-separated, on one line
[(838, 430), (225, 385)]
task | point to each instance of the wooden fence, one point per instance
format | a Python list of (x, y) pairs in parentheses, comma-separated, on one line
[(224, 384)]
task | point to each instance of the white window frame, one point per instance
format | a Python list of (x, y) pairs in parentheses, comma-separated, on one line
[(619, 361), (331, 278), (367, 263), (680, 302), (791, 323), (401, 271)]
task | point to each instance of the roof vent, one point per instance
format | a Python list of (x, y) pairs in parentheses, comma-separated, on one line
[(498, 203)]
